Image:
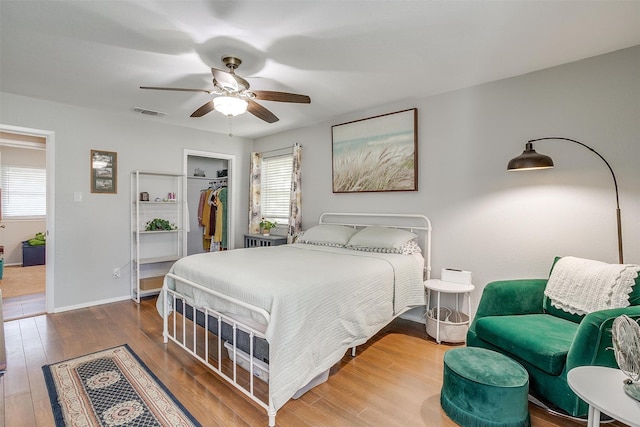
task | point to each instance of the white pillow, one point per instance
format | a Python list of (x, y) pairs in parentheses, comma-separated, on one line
[(410, 248), (381, 238), (327, 234)]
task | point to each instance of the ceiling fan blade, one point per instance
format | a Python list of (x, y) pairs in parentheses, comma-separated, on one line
[(206, 108), (260, 112), (268, 95), (180, 89)]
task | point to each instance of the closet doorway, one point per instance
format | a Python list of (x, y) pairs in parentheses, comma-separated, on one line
[(208, 173)]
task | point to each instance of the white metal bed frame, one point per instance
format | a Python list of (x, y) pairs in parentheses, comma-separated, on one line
[(411, 222)]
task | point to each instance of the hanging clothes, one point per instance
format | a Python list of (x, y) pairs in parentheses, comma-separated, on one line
[(205, 197), (220, 206), (222, 199), (212, 216)]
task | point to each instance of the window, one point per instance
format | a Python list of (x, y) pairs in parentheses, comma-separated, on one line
[(24, 192), (276, 187)]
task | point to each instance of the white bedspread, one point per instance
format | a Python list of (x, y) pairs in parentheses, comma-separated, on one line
[(322, 300)]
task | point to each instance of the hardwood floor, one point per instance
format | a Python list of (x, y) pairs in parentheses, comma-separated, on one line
[(24, 306), (23, 291), (394, 380)]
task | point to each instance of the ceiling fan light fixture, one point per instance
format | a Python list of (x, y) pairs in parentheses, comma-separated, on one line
[(230, 106)]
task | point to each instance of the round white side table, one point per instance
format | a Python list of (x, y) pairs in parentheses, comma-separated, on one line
[(601, 388), (440, 286)]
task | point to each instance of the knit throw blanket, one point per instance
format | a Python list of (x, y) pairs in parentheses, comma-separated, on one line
[(581, 286)]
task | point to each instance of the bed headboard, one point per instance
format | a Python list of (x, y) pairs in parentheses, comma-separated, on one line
[(418, 224)]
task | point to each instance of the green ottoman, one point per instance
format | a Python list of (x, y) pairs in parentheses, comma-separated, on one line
[(482, 388)]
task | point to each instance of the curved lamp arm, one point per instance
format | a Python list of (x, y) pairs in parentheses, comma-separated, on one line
[(530, 153), (613, 175)]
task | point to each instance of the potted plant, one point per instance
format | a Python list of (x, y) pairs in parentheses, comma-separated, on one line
[(266, 226), (159, 224)]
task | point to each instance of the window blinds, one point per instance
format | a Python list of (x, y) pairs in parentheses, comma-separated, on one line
[(24, 191), (275, 187)]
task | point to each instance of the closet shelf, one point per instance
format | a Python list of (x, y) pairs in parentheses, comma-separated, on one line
[(208, 178)]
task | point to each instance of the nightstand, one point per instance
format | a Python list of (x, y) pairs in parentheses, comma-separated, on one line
[(440, 286), (257, 240)]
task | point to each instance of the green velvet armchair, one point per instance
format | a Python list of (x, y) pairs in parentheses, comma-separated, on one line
[(516, 319)]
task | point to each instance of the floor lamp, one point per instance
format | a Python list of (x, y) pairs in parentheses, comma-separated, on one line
[(530, 160)]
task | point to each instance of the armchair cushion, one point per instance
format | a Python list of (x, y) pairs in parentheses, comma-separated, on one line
[(540, 339)]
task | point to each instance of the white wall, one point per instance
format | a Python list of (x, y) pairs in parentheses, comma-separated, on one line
[(92, 237), (501, 224)]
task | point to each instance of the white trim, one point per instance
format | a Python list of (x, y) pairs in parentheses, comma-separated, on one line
[(22, 144), (91, 304), (50, 145), (24, 219), (232, 187)]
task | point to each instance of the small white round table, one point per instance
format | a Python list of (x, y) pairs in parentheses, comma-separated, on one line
[(601, 388), (441, 286)]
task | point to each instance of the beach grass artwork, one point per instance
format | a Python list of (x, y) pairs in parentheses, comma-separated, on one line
[(376, 154)]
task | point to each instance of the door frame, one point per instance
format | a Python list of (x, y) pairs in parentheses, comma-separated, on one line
[(50, 220), (231, 187)]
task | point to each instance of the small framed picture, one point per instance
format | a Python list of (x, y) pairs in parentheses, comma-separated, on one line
[(104, 172)]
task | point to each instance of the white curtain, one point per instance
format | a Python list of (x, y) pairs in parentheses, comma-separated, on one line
[(295, 197), (254, 193), (295, 205)]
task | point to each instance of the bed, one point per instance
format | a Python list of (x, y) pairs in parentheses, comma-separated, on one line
[(273, 320)]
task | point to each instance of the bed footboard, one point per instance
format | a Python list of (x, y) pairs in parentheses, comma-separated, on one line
[(238, 366), (260, 346)]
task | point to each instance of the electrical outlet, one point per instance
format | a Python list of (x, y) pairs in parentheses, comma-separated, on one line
[(116, 273)]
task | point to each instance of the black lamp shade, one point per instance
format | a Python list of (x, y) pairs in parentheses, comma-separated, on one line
[(529, 159)]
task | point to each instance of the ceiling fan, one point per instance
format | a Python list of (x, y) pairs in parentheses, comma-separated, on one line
[(234, 96)]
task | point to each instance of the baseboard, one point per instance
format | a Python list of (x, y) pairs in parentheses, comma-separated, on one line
[(91, 304), (15, 264)]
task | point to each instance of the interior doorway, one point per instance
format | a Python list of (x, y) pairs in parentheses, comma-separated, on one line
[(26, 156), (208, 172)]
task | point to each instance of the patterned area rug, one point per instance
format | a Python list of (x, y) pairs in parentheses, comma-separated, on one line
[(111, 388)]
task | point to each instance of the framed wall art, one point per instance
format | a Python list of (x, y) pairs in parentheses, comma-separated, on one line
[(104, 172), (376, 154)]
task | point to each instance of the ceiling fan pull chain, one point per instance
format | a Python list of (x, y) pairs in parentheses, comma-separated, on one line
[(230, 128)]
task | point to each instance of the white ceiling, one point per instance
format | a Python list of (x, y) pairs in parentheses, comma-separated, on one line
[(346, 55)]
